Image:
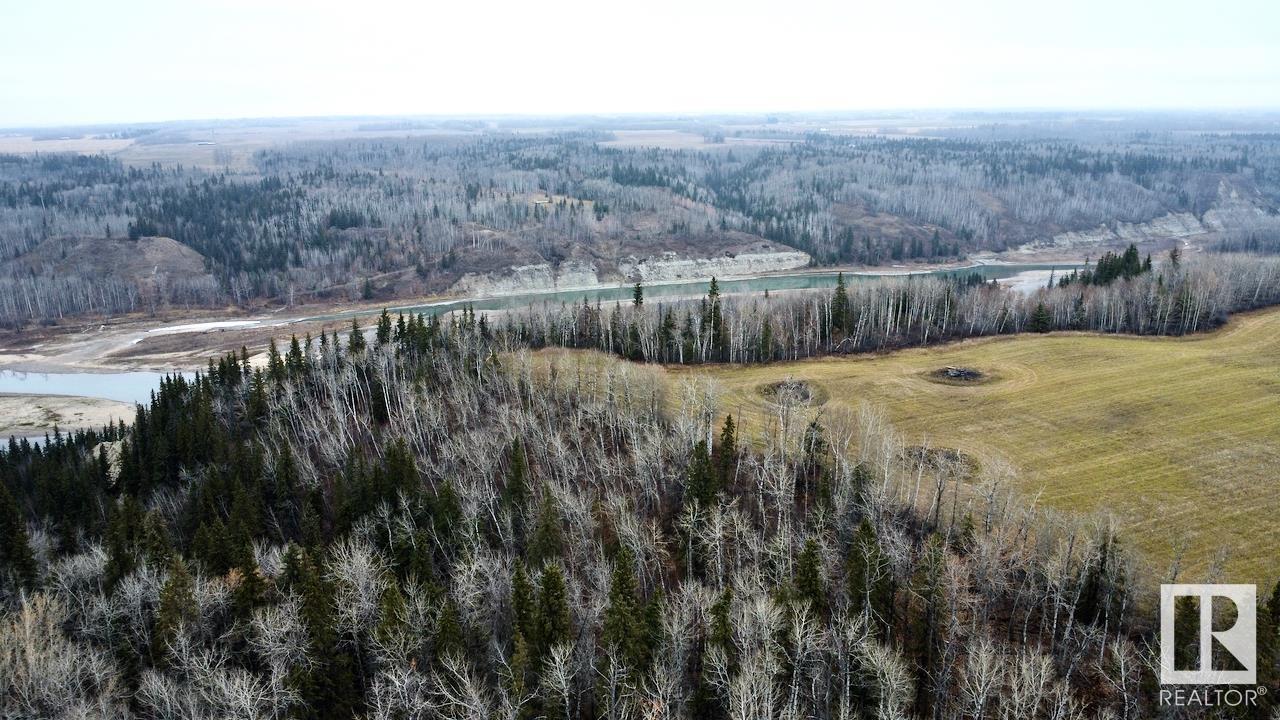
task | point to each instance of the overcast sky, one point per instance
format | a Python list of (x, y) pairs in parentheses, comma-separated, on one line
[(80, 61)]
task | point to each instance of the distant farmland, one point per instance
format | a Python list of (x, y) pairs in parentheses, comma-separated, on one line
[(1174, 437)]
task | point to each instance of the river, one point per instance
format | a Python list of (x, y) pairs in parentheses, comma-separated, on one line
[(677, 290), (130, 387), (136, 387)]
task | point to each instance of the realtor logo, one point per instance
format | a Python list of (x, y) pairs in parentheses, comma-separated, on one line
[(1240, 640)]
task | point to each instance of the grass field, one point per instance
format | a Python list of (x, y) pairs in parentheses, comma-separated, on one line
[(1174, 437)]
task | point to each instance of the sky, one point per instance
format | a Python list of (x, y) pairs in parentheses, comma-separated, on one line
[(89, 61)]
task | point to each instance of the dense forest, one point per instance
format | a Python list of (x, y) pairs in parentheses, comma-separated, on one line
[(424, 522), (401, 216)]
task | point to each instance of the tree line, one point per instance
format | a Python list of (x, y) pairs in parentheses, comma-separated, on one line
[(1174, 298)]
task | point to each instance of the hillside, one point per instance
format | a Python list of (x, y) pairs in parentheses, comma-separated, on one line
[(407, 528), (155, 259), (494, 210)]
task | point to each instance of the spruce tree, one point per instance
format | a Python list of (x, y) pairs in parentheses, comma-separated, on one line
[(810, 583), (157, 546), (867, 574), (392, 620), (1186, 633), (249, 588), (548, 537), (327, 685), (275, 364), (295, 361), (176, 609), (516, 491), (124, 536), (257, 405), (700, 478), (355, 339), (839, 307), (623, 617), (522, 681), (926, 631), (1041, 321), (553, 624), (449, 638), (16, 557), (523, 608), (727, 453), (383, 335)]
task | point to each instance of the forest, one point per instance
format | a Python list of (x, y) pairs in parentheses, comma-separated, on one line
[(429, 520), (422, 524), (398, 217)]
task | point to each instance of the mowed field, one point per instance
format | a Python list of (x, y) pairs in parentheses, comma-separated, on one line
[(1175, 437)]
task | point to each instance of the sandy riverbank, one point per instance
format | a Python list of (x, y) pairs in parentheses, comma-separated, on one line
[(33, 415)]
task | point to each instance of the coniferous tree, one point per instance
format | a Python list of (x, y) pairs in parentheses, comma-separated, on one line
[(355, 339), (840, 306), (714, 319), (275, 364), (523, 604), (177, 608), (927, 632), (327, 685), (727, 453), (516, 490), (392, 620), (383, 335), (124, 538), (867, 573), (810, 581), (553, 623), (1041, 321), (700, 477), (1186, 633), (547, 542), (257, 404), (624, 615), (1268, 636), (16, 557), (522, 682), (157, 547), (295, 361), (449, 636)]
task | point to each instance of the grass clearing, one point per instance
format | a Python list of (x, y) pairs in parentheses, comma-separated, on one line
[(1178, 438)]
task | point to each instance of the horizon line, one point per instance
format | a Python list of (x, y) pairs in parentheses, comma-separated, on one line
[(663, 115)]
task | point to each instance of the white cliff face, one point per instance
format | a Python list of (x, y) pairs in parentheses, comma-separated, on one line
[(1232, 211), (570, 275), (671, 266), (1171, 226)]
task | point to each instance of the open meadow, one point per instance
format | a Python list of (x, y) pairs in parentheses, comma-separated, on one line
[(1178, 438)]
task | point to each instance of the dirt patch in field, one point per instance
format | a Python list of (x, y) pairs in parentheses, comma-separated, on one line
[(959, 375), (794, 391)]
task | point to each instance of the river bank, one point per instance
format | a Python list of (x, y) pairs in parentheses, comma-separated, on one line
[(35, 415), (87, 373)]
